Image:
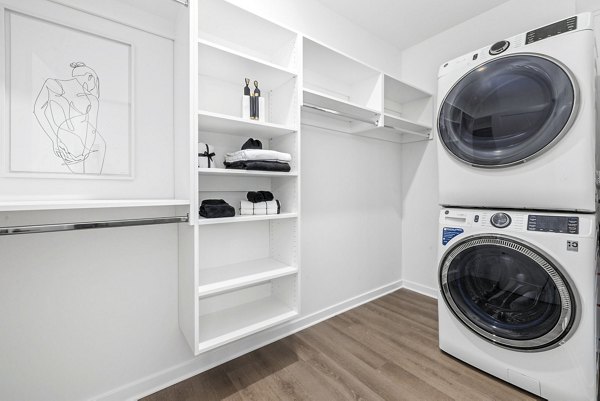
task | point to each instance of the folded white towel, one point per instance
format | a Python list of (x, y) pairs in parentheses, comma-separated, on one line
[(257, 154), (259, 208), (254, 212)]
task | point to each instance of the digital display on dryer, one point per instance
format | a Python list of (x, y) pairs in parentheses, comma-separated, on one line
[(547, 31), (554, 224)]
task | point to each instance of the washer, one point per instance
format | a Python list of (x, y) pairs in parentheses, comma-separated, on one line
[(516, 122), (517, 297)]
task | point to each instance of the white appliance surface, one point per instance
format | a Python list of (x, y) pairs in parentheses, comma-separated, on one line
[(561, 176), (565, 370)]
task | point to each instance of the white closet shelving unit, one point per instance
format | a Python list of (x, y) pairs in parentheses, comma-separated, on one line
[(243, 276), (240, 275), (343, 94)]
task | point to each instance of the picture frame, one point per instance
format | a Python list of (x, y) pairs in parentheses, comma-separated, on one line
[(68, 101)]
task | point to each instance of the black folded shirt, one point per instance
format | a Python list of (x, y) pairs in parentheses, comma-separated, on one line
[(259, 196), (259, 165), (213, 208)]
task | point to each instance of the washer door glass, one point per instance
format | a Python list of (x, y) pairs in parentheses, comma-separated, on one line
[(507, 292), (506, 111)]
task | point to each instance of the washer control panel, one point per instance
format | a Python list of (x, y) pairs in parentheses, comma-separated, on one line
[(500, 220), (553, 224)]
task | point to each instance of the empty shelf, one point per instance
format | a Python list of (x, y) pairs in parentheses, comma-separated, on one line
[(230, 65), (246, 173), (224, 124), (338, 107), (225, 278), (222, 327), (240, 219)]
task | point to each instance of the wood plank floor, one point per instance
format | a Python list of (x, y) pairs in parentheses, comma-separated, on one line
[(384, 350)]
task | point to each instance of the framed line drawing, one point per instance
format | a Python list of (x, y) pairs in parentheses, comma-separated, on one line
[(69, 102)]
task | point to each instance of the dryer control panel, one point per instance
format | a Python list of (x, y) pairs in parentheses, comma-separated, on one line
[(553, 224), (566, 25)]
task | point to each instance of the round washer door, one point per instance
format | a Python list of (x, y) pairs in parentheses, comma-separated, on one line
[(507, 110), (507, 292)]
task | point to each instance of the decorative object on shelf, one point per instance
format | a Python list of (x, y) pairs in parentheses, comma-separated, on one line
[(258, 159), (216, 208), (206, 153), (257, 105), (252, 144), (62, 125), (248, 208), (246, 100), (259, 196)]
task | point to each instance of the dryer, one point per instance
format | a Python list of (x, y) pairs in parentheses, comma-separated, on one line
[(517, 297), (516, 122)]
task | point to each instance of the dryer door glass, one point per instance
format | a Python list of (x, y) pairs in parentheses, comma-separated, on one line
[(507, 110), (507, 292)]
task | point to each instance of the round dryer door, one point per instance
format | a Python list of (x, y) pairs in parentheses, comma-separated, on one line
[(507, 292), (507, 110)]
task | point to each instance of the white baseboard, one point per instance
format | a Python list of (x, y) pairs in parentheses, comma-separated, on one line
[(420, 288), (158, 381)]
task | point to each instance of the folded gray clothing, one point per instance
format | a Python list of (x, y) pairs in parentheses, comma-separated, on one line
[(259, 165), (257, 154)]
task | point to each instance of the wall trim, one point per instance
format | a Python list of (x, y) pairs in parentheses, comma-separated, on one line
[(420, 288), (163, 379)]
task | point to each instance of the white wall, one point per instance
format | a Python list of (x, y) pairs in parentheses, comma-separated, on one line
[(93, 315), (420, 64)]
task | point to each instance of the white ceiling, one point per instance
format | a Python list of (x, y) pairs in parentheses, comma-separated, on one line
[(404, 23)]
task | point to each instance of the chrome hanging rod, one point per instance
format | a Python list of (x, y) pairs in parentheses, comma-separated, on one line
[(49, 228), (184, 2), (339, 113)]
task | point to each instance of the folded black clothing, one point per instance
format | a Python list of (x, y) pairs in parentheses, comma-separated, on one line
[(268, 196), (255, 197), (259, 165), (213, 202), (252, 144), (213, 208), (259, 196)]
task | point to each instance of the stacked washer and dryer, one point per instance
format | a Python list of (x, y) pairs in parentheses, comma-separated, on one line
[(518, 230)]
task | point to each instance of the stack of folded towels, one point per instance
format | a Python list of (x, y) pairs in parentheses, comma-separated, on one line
[(254, 157), (260, 203), (212, 208)]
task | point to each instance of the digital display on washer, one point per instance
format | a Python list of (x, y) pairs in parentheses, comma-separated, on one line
[(555, 224), (569, 24)]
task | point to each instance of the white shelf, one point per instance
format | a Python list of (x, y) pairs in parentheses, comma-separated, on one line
[(222, 327), (246, 173), (12, 206), (224, 23), (226, 278), (241, 219), (401, 92), (224, 124), (404, 125), (347, 110), (228, 65)]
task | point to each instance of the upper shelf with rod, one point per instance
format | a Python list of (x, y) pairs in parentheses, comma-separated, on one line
[(340, 85), (343, 94)]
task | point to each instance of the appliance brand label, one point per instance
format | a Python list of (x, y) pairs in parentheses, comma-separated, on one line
[(450, 232)]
